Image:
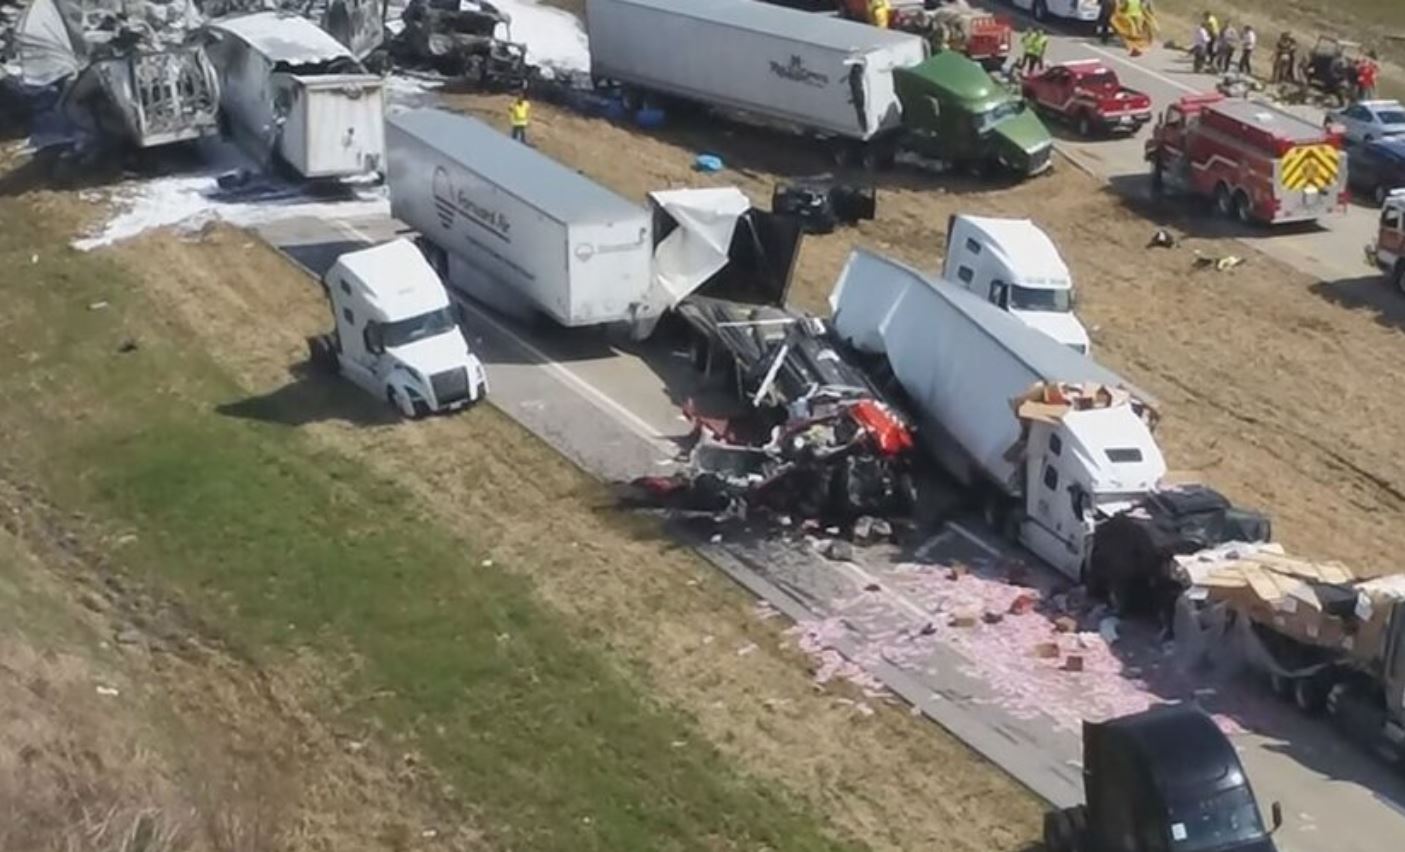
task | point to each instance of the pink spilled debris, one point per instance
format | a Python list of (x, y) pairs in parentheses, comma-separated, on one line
[(1041, 654)]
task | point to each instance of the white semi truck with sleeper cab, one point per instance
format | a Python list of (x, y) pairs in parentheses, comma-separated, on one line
[(396, 333)]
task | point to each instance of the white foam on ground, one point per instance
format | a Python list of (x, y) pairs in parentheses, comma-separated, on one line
[(191, 200), (554, 38)]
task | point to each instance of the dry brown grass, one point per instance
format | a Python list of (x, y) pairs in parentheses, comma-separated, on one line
[(124, 728)]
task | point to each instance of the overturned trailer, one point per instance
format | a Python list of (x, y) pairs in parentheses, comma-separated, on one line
[(294, 96)]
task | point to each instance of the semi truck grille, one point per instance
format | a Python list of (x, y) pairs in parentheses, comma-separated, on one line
[(450, 386)]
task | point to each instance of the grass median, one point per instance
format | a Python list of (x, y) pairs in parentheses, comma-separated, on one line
[(279, 545)]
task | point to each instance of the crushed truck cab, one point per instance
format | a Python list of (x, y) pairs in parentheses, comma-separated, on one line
[(1256, 162), (397, 335)]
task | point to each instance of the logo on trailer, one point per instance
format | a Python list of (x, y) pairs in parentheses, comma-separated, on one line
[(443, 190), (796, 71), (451, 202)]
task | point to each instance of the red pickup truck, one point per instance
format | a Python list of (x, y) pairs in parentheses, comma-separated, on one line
[(1088, 95)]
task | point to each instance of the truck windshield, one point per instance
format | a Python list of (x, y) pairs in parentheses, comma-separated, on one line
[(1040, 299), (986, 121), (1215, 821), (406, 331)]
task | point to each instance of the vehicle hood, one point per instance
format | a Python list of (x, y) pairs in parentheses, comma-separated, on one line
[(431, 355), (1023, 132), (1063, 327)]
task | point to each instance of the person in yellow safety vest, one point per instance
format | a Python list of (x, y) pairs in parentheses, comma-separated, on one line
[(1136, 21), (879, 13), (1212, 26), (1034, 42), (521, 114)]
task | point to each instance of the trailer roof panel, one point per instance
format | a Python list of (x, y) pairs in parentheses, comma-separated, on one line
[(817, 29), (1268, 117), (284, 37), (1042, 355), (534, 178)]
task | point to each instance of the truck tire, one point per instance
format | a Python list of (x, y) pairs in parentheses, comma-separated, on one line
[(1224, 200), (1065, 830), (1243, 207), (322, 354), (1310, 694), (410, 409), (1085, 125)]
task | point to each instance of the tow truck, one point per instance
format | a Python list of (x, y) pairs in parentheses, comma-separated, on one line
[(1256, 162), (1388, 251), (1165, 778), (1088, 95)]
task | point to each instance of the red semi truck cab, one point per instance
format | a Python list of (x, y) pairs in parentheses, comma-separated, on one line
[(1258, 163)]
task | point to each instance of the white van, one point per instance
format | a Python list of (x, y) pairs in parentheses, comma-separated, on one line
[(397, 336), (1014, 264)]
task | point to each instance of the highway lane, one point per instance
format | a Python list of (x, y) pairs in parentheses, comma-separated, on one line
[(613, 408)]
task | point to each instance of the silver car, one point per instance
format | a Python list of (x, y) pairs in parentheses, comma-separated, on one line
[(1368, 120)]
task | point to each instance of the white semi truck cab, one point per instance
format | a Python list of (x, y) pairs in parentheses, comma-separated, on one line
[(397, 334), (1083, 465), (1013, 264)]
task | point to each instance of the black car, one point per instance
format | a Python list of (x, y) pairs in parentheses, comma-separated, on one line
[(1377, 167)]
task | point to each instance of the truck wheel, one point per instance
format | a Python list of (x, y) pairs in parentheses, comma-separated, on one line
[(408, 408), (1085, 125), (1224, 201), (1309, 694), (322, 354), (1061, 830), (1243, 208)]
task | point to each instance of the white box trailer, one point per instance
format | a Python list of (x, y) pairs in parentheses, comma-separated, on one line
[(516, 229), (821, 74), (292, 93), (965, 364)]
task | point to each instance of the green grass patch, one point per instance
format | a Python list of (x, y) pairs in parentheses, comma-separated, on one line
[(280, 544)]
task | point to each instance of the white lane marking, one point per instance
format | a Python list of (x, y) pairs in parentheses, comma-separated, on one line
[(626, 418), (1128, 63)]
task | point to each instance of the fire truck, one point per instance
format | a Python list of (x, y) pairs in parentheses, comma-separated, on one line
[(1256, 162), (1388, 251)]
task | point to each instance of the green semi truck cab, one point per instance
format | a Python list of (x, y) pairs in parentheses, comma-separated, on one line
[(953, 110)]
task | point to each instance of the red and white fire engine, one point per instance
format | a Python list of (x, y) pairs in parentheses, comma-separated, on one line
[(1388, 251), (1088, 95), (1257, 162)]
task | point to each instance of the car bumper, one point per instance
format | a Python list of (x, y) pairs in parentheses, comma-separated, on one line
[(1129, 122)]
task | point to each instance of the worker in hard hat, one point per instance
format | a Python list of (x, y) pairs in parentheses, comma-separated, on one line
[(1034, 44), (520, 113), (880, 13)]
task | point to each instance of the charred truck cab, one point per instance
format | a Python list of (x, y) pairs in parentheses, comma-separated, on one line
[(1164, 780)]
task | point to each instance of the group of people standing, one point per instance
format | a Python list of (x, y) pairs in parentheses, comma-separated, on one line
[(1222, 47)]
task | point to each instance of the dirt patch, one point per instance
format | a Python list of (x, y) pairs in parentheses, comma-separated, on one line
[(1270, 380), (126, 726)]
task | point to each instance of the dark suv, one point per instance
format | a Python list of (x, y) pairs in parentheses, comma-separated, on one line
[(1376, 168)]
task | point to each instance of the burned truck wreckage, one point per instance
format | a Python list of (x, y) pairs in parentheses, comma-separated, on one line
[(130, 71)]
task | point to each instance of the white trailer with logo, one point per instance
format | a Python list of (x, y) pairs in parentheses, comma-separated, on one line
[(821, 74), (516, 229)]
